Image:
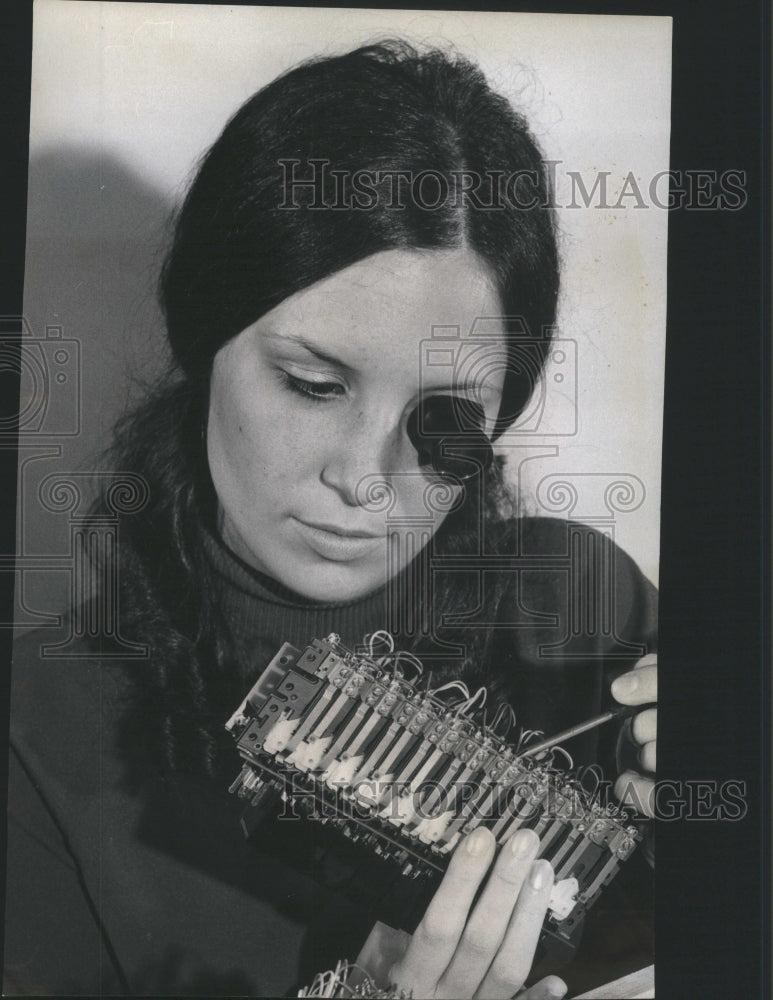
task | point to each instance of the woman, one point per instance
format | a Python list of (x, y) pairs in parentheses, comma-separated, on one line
[(349, 210)]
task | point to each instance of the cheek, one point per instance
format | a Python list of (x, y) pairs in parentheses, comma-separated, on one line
[(239, 458), (258, 447), (235, 440)]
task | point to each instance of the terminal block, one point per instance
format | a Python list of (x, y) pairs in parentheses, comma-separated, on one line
[(346, 739)]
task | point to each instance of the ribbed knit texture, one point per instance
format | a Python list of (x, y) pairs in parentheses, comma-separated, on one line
[(263, 614)]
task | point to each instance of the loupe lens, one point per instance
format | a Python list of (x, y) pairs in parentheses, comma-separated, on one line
[(463, 458), (447, 433)]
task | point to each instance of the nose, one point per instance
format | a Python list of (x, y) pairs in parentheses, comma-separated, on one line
[(368, 445)]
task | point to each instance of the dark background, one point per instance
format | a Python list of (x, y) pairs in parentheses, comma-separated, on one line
[(713, 878)]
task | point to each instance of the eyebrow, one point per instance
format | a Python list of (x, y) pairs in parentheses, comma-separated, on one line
[(311, 348)]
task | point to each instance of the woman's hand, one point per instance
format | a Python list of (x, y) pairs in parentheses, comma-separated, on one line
[(486, 951), (639, 687)]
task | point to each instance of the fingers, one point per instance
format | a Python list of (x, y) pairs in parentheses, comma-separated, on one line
[(645, 726), (648, 756), (638, 686), (644, 731), (636, 792), (490, 954), (435, 939), (549, 988), (489, 920), (512, 963)]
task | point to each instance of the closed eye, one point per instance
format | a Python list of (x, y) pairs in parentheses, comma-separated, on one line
[(321, 391)]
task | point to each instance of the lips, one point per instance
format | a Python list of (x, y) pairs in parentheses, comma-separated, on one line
[(338, 544), (343, 532)]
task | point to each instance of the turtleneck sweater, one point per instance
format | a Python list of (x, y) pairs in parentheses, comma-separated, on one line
[(154, 890), (262, 614)]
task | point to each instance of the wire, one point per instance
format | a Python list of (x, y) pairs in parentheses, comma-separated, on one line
[(597, 773), (391, 657), (528, 734), (505, 708), (335, 983), (380, 635), (413, 660), (566, 754), (496, 719), (466, 707), (458, 685)]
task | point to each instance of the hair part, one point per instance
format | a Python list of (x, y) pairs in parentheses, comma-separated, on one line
[(237, 252)]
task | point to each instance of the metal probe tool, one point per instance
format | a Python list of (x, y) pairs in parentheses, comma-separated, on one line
[(598, 720)]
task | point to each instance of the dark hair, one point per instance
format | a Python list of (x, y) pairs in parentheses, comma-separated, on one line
[(237, 252), (244, 242)]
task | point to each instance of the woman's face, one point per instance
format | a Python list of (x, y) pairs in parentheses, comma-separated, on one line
[(308, 411)]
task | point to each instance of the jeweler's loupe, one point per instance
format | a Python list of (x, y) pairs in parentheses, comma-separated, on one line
[(448, 434)]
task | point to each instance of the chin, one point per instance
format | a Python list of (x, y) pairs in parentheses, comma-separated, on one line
[(311, 576), (334, 584)]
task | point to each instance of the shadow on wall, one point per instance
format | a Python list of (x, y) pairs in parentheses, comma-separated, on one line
[(96, 237)]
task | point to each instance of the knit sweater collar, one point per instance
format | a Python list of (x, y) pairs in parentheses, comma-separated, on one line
[(262, 614), (241, 578)]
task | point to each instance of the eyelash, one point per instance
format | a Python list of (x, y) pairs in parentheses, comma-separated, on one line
[(318, 392), (313, 391)]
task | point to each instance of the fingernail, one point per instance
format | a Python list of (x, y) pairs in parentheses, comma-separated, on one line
[(557, 990), (476, 842), (625, 685), (522, 842), (539, 874)]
